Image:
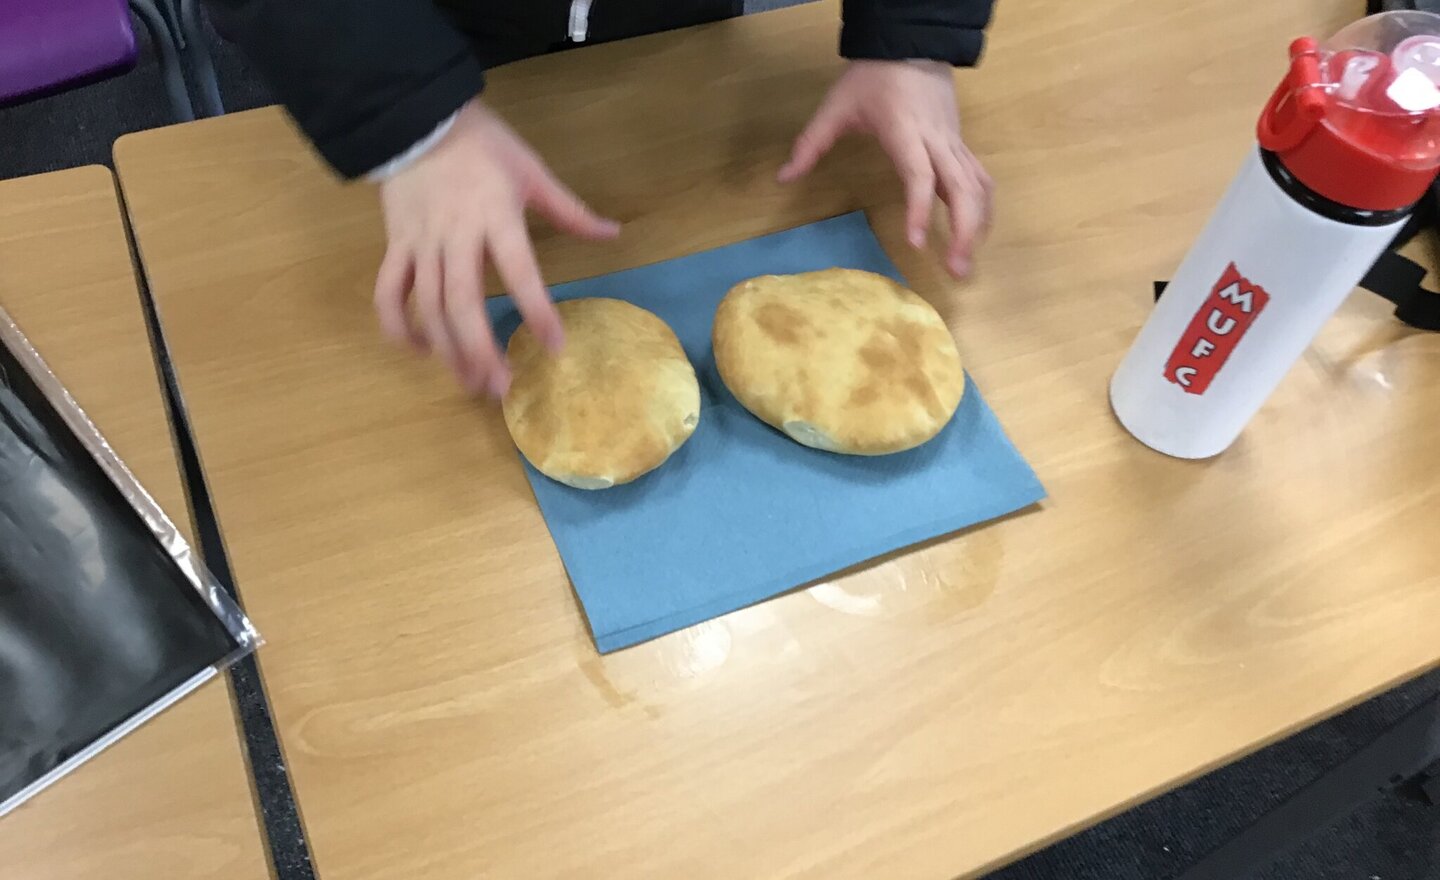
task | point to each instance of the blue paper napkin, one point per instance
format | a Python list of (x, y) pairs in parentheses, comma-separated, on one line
[(741, 512)]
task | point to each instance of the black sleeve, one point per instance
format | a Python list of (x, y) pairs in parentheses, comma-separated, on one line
[(941, 30), (364, 79)]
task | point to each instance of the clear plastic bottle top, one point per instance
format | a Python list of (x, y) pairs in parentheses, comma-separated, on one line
[(1357, 118)]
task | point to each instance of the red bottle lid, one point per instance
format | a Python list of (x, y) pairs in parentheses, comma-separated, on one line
[(1358, 120)]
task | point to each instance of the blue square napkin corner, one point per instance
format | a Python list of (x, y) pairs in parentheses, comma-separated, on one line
[(741, 513)]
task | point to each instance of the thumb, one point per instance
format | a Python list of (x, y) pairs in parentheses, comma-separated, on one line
[(565, 210), (814, 142)]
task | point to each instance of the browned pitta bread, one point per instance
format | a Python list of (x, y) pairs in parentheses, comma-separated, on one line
[(841, 360), (612, 406)]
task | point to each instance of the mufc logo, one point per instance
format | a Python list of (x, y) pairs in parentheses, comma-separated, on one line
[(1216, 329)]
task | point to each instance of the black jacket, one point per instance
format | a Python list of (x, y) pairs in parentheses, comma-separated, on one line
[(366, 79)]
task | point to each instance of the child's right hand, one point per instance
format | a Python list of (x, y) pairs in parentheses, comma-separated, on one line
[(460, 201)]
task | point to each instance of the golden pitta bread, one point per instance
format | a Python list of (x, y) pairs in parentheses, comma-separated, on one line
[(840, 360), (612, 406)]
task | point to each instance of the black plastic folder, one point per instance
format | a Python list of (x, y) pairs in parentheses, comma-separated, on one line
[(105, 616)]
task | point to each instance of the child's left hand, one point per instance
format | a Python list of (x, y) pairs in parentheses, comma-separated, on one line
[(909, 106)]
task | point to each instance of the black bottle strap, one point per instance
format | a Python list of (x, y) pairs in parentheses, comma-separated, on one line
[(1398, 279)]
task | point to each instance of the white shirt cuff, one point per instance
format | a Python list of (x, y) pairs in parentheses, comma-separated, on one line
[(413, 154)]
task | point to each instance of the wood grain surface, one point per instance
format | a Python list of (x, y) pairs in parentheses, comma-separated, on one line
[(173, 798), (929, 715)]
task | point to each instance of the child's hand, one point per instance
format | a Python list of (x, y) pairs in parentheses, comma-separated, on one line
[(909, 106), (460, 201)]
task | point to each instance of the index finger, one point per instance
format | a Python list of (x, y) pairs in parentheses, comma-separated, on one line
[(987, 187), (392, 292), (482, 366), (961, 193), (515, 261), (907, 151)]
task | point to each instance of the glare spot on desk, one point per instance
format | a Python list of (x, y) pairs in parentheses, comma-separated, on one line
[(699, 649), (835, 597)]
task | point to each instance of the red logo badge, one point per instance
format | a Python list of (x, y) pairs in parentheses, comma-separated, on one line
[(1225, 316)]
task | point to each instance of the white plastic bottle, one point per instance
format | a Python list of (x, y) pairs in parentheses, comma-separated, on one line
[(1348, 144)]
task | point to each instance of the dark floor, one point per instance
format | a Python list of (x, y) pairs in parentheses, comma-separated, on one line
[(1392, 838)]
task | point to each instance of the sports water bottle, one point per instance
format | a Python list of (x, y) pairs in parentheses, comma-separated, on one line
[(1348, 143)]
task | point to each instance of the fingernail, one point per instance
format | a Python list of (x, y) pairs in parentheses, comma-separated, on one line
[(917, 238), (612, 227), (959, 266), (499, 384)]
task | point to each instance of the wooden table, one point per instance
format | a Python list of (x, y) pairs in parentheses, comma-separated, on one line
[(171, 799), (938, 713)]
